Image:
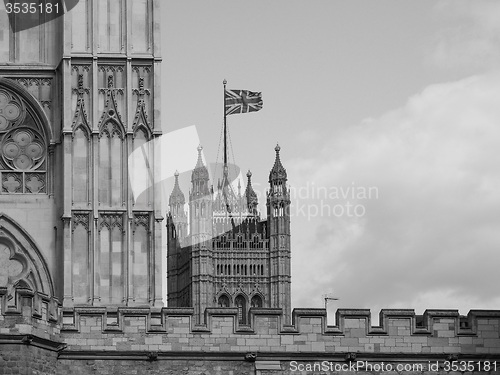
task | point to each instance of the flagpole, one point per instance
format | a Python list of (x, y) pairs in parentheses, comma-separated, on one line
[(225, 129), (225, 179)]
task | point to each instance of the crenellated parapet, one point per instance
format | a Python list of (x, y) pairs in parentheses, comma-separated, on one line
[(173, 330), (30, 318), (39, 327)]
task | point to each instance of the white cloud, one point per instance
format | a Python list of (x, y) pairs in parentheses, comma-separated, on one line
[(433, 231)]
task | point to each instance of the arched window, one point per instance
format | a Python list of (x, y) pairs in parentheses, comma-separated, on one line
[(21, 263), (239, 242), (223, 301), (23, 146), (241, 304), (256, 301)]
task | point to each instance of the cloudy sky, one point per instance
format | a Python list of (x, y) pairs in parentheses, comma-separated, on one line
[(388, 117)]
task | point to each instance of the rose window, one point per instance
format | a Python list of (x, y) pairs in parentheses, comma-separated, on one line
[(10, 111), (23, 146), (23, 149)]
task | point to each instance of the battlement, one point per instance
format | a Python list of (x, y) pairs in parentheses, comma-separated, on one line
[(173, 330), (61, 338), (86, 328), (29, 317)]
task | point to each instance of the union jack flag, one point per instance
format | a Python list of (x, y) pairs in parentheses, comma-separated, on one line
[(242, 101)]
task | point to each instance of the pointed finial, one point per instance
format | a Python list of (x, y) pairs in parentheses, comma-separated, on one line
[(200, 147), (176, 174), (278, 171), (249, 174)]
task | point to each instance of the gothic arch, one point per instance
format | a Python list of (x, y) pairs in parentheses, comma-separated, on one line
[(84, 126), (29, 266), (223, 300), (33, 106), (25, 136), (144, 129), (257, 300), (103, 129)]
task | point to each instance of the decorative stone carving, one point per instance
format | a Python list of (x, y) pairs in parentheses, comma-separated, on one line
[(110, 107), (35, 183), (80, 116), (111, 220), (11, 110), (141, 219), (23, 145), (80, 218), (40, 88), (21, 264), (12, 183), (23, 149), (141, 117)]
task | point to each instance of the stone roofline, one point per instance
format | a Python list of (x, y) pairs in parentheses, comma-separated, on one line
[(42, 308), (158, 319), (40, 321)]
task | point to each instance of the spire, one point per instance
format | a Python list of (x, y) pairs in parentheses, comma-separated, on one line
[(278, 172), (177, 196), (199, 178), (200, 170), (250, 194)]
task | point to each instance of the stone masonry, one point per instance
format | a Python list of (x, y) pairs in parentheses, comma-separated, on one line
[(39, 337)]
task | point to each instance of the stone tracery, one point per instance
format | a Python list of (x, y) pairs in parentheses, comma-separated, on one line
[(23, 146)]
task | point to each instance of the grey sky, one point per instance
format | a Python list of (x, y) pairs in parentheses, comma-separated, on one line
[(399, 96)]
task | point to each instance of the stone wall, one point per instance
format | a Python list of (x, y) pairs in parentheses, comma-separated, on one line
[(173, 330), (38, 337), (19, 358)]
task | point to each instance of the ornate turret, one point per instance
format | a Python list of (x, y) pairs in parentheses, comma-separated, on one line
[(278, 172), (250, 195), (177, 217), (200, 177), (200, 227), (177, 196)]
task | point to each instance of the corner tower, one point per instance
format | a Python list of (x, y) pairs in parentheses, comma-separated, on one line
[(278, 216), (200, 223), (176, 234)]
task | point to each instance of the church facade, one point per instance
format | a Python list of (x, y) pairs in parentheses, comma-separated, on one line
[(77, 95), (229, 257)]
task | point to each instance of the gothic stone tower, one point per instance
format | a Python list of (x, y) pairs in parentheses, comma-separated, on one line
[(230, 257), (77, 95)]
